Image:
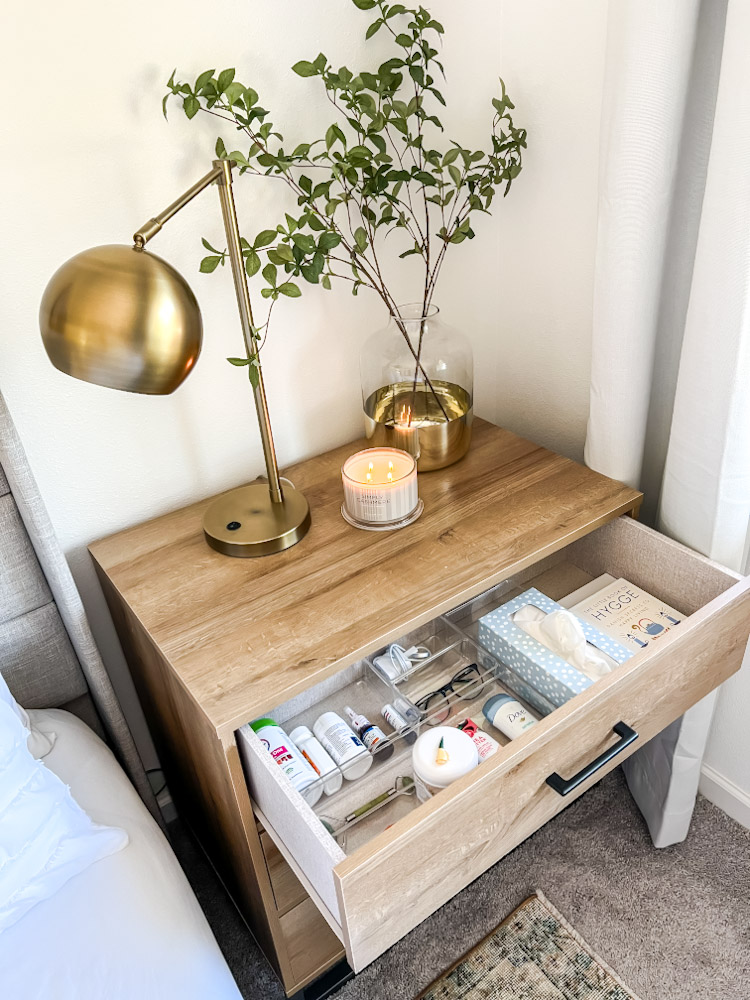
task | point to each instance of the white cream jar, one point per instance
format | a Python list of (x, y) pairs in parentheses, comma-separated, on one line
[(430, 776)]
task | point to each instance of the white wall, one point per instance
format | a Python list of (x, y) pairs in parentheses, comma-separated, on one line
[(88, 156), (725, 775)]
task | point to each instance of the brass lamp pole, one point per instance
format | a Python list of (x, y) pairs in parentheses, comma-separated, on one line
[(121, 317)]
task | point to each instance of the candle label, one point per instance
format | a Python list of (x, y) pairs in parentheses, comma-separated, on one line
[(371, 505)]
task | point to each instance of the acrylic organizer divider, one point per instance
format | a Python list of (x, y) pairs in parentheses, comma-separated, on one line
[(365, 806)]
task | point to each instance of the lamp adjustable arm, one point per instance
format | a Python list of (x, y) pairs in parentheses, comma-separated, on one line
[(149, 229), (221, 173)]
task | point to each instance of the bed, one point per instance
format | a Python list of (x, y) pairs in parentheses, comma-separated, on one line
[(129, 927)]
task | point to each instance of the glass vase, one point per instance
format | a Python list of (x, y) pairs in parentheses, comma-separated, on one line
[(422, 406)]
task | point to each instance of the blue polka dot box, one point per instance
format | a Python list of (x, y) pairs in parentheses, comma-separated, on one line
[(544, 670)]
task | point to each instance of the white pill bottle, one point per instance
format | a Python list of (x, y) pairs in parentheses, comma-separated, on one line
[(344, 746), (311, 749)]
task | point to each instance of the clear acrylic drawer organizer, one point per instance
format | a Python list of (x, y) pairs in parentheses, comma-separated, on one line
[(365, 806)]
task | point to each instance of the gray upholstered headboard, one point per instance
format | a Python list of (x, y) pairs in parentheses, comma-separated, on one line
[(36, 655), (47, 652)]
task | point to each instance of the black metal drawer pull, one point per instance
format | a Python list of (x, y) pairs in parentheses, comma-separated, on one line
[(564, 787)]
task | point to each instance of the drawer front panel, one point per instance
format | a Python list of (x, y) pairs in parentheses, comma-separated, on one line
[(404, 875), (291, 824)]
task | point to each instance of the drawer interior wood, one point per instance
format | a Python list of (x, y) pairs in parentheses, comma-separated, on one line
[(429, 851), (312, 947), (288, 891)]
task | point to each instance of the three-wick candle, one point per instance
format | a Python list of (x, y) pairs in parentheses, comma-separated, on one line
[(380, 486)]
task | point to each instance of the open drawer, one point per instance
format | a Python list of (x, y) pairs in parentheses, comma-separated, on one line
[(377, 886)]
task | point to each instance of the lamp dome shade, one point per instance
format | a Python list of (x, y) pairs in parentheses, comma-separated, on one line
[(121, 317)]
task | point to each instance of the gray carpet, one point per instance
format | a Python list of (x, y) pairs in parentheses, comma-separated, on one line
[(674, 924)]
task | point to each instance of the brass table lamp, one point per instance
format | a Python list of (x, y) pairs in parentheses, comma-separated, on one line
[(121, 317)]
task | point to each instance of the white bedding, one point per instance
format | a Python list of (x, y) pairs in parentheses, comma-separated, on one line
[(129, 927)]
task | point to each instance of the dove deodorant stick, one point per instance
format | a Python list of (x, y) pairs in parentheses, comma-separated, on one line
[(508, 715)]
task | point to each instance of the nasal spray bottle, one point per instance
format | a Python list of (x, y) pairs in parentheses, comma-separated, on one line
[(371, 735)]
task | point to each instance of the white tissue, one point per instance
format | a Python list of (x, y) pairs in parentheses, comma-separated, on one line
[(561, 632)]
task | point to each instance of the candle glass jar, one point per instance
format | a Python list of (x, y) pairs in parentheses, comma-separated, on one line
[(426, 408), (380, 489)]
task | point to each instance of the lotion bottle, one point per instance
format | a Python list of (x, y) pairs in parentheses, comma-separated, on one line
[(301, 774)]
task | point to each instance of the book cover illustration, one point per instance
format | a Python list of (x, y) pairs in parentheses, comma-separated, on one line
[(628, 614)]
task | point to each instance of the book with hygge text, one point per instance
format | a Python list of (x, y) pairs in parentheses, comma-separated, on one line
[(628, 614)]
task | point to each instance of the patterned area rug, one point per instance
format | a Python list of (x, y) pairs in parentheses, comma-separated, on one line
[(534, 954)]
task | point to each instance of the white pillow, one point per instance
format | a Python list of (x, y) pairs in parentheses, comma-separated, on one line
[(45, 837), (39, 743)]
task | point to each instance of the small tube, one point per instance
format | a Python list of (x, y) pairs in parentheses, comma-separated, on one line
[(398, 723)]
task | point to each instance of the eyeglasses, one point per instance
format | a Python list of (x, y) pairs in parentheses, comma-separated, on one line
[(467, 684)]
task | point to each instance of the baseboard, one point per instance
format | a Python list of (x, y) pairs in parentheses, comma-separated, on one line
[(732, 799)]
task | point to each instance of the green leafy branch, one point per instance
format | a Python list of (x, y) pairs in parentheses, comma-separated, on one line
[(375, 172)]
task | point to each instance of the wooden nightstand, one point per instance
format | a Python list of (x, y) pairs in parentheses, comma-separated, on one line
[(215, 642)]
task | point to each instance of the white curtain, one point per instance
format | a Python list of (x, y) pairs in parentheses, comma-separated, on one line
[(670, 386)]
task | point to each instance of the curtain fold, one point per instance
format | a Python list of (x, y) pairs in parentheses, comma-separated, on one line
[(670, 407), (705, 499), (661, 79)]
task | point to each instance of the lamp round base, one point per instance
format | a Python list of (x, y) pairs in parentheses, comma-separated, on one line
[(246, 523), (382, 525)]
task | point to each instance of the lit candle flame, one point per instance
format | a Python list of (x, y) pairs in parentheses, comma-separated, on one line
[(369, 473), (390, 472)]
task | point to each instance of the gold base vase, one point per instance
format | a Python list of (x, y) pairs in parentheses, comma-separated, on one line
[(424, 407)]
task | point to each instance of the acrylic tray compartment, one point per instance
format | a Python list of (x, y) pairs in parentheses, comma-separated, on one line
[(435, 638), (455, 676), (454, 652), (461, 679), (364, 808), (555, 581)]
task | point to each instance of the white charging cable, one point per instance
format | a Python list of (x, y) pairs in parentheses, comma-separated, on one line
[(397, 661)]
